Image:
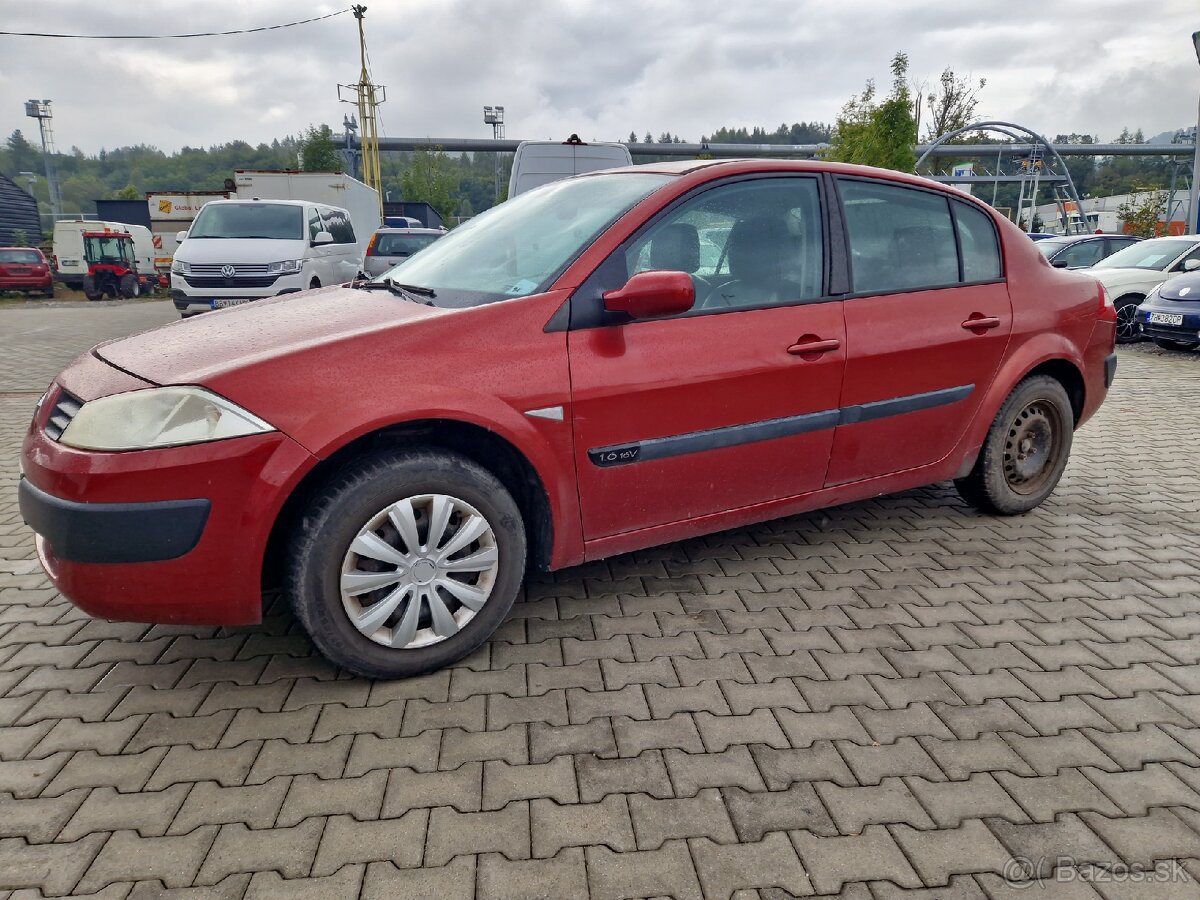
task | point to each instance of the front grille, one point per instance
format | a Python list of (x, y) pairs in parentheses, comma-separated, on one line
[(62, 414), (239, 269), (256, 281)]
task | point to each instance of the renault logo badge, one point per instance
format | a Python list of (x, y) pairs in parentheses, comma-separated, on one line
[(228, 271)]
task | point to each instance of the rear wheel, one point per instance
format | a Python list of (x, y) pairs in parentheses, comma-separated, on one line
[(1127, 326), (48, 292), (406, 562), (128, 285), (91, 290), (1025, 452), (1167, 344)]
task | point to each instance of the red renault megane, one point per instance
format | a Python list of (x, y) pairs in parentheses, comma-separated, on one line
[(606, 363)]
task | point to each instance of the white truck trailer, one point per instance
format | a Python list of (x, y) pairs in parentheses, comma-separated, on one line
[(172, 212), (330, 188)]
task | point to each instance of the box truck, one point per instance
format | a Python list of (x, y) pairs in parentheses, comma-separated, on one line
[(330, 188)]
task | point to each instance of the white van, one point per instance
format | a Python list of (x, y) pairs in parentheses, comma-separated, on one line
[(540, 162), (242, 250), (68, 261)]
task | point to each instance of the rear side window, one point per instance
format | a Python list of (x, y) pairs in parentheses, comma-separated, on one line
[(339, 226), (901, 239), (980, 250), (315, 226)]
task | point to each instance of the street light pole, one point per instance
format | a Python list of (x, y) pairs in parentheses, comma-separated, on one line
[(1193, 218), (494, 116)]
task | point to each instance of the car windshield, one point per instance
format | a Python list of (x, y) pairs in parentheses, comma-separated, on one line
[(20, 256), (519, 247), (1049, 248), (275, 221), (1156, 254), (402, 244)]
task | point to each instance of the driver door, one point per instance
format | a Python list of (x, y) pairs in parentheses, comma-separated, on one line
[(731, 404)]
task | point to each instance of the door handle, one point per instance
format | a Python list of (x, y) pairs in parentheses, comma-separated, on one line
[(814, 346), (979, 324)]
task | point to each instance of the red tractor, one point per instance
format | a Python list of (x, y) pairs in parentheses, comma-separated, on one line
[(112, 266)]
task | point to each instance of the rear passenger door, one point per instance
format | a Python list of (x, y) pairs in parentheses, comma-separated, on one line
[(927, 322)]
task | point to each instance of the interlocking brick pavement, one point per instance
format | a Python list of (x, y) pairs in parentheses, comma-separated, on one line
[(891, 699)]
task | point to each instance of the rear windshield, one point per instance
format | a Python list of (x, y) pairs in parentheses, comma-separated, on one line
[(273, 221), (20, 256), (1147, 255), (402, 244)]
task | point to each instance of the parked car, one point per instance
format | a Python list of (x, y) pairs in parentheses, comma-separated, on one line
[(558, 380), (237, 251), (1082, 250), (1170, 314), (1130, 274), (390, 246), (25, 269)]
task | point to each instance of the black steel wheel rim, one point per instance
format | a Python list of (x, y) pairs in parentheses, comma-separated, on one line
[(1032, 446)]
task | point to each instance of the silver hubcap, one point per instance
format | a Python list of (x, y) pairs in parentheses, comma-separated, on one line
[(419, 571)]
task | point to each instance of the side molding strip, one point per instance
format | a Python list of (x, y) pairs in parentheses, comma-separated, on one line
[(769, 429)]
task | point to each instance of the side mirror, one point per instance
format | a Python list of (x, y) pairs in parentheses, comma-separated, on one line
[(648, 295), (322, 237), (180, 237), (1059, 263), (1191, 265)]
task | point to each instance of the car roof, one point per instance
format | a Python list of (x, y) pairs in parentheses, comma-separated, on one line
[(34, 249), (396, 229), (270, 200)]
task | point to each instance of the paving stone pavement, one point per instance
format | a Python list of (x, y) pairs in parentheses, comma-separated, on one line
[(893, 699)]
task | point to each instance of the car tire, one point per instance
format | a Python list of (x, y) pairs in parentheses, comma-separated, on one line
[(314, 284), (48, 293), (89, 289), (358, 510), (1127, 326), (1168, 344), (1025, 451)]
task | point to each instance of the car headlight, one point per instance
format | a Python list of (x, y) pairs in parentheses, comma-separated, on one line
[(286, 267), (179, 267), (158, 417)]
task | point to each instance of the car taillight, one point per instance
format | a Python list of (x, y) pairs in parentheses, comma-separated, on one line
[(371, 245)]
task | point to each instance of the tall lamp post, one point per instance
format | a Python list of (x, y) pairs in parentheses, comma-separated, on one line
[(1194, 200), (494, 116), (40, 110)]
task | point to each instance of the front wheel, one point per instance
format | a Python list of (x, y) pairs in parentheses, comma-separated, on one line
[(1127, 326), (90, 290), (128, 285), (1025, 451), (1168, 344), (406, 562)]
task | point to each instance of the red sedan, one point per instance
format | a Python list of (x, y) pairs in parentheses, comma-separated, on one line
[(25, 269), (609, 362)]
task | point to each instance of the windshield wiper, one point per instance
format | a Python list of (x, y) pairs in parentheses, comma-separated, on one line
[(416, 289), (400, 290)]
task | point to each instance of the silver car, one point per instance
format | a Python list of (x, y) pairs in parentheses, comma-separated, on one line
[(391, 246)]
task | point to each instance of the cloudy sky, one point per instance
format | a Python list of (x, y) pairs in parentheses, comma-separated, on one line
[(597, 67)]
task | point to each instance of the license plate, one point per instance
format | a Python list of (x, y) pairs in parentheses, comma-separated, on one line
[(223, 302), (1165, 319)]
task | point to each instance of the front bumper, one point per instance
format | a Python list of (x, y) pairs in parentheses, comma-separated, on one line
[(1188, 330), (190, 300), (170, 535)]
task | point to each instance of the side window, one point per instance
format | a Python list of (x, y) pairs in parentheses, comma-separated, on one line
[(750, 243), (1181, 266), (314, 224), (339, 226), (977, 240), (901, 239), (1115, 244), (1085, 253)]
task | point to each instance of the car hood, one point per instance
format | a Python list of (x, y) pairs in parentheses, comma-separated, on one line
[(1110, 277), (1183, 287), (196, 350), (239, 250)]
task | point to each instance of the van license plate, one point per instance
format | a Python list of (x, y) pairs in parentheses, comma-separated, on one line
[(1165, 319), (222, 302)]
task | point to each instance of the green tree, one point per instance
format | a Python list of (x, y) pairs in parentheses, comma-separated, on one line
[(19, 238), (952, 104), (318, 152), (1142, 214), (871, 132), (129, 192), (432, 177)]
